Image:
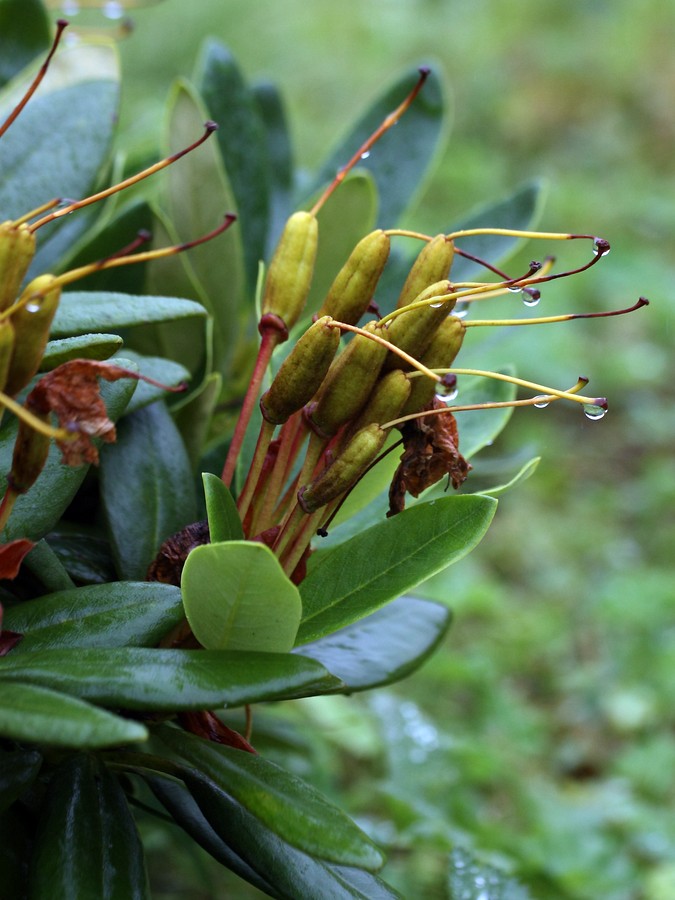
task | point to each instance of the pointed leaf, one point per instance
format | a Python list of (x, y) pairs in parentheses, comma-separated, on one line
[(521, 475), (221, 510), (361, 575), (400, 158), (139, 678), (242, 141), (87, 844), (48, 568), (385, 646), (24, 33), (123, 614), (18, 770), (147, 488), (282, 802), (237, 597), (81, 312), (86, 346), (36, 714)]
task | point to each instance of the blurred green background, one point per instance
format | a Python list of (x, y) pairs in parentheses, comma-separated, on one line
[(541, 736)]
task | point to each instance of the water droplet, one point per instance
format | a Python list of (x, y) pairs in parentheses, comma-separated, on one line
[(542, 404), (601, 247), (594, 412), (514, 289), (437, 305), (446, 388), (460, 310), (33, 306), (531, 298), (365, 155)]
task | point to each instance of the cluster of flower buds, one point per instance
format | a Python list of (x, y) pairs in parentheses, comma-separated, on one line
[(327, 412)]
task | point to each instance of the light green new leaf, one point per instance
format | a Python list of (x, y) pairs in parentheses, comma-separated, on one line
[(361, 575), (39, 715), (237, 597), (221, 510)]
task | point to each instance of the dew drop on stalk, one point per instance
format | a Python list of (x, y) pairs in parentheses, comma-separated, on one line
[(460, 310), (436, 305), (446, 389), (594, 412), (365, 155), (542, 404), (33, 306), (531, 298), (601, 247)]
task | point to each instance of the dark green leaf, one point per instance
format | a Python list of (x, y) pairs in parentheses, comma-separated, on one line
[(35, 714), (399, 159), (471, 880), (36, 512), (280, 156), (282, 802), (221, 510), (193, 417), (519, 211), (138, 678), (242, 141), (24, 33), (147, 488), (385, 646), (87, 844), (46, 566), (84, 551), (123, 614), (86, 346), (82, 312), (166, 372), (18, 770), (361, 575)]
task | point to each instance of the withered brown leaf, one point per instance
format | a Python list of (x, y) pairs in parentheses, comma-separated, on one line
[(431, 451)]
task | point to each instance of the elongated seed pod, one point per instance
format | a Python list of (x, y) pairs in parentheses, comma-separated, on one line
[(386, 399), (290, 273), (413, 330), (30, 455), (345, 470), (432, 264), (6, 350), (348, 383), (302, 372), (17, 249), (31, 323), (352, 291), (441, 353)]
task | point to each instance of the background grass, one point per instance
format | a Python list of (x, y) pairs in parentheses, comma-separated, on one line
[(541, 737)]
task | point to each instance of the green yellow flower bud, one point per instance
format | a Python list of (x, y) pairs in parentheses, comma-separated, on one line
[(345, 470), (290, 273), (441, 353), (349, 382), (31, 322), (351, 293), (432, 264), (386, 399), (6, 350), (413, 330), (302, 372), (17, 249)]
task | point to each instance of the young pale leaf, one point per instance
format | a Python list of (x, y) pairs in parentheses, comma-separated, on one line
[(242, 142), (36, 714), (221, 510), (122, 614), (237, 597), (36, 512), (384, 647), (361, 575), (400, 158), (82, 312), (147, 488), (18, 770), (157, 679), (282, 802), (86, 844), (25, 32)]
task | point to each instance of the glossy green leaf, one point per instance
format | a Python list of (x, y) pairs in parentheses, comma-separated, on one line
[(83, 312), (139, 678), (281, 801), (38, 714), (520, 210), (237, 597), (279, 152), (147, 488), (36, 512), (471, 880), (87, 844), (24, 33), (243, 144), (400, 158), (122, 614), (43, 562), (343, 221), (18, 770), (84, 552), (85, 346), (479, 427), (199, 196), (385, 646), (357, 577), (180, 804), (166, 372), (221, 510), (61, 141)]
